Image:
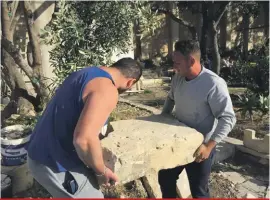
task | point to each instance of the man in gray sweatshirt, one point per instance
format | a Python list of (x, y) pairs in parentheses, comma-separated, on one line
[(202, 101)]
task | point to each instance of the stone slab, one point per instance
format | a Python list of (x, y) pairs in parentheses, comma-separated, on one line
[(255, 187), (252, 152), (234, 177), (136, 147), (239, 145)]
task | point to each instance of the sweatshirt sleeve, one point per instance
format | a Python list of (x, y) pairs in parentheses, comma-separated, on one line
[(171, 92), (221, 106)]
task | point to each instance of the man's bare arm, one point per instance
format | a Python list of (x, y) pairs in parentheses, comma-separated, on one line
[(99, 104)]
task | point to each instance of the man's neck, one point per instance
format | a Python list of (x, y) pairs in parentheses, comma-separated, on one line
[(114, 74), (194, 73)]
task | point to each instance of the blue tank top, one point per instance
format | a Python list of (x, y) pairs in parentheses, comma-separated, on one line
[(51, 142)]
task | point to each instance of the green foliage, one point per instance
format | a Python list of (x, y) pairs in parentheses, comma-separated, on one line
[(148, 91), (239, 74), (258, 77), (249, 103), (263, 105), (87, 33), (253, 75)]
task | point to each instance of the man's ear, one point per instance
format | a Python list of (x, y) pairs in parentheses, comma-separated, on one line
[(191, 60), (130, 83)]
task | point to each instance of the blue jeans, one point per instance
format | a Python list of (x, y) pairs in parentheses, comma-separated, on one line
[(198, 176)]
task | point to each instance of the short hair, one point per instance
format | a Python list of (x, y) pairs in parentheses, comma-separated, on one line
[(129, 67), (188, 47)]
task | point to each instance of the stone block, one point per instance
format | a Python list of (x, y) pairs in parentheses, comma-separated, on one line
[(183, 187), (21, 177), (150, 181), (147, 144), (260, 145)]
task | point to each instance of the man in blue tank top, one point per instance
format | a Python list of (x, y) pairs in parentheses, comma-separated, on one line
[(65, 154)]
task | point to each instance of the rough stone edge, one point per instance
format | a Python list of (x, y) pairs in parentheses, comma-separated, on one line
[(141, 106)]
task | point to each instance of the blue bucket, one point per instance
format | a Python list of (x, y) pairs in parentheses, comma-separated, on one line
[(13, 151)]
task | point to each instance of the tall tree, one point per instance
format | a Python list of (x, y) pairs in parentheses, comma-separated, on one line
[(93, 31), (12, 60), (211, 12)]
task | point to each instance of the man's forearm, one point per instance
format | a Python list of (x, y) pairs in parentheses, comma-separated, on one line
[(224, 126), (90, 153), (211, 144), (168, 106)]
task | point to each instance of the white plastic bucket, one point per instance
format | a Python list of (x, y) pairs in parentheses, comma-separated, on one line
[(13, 151)]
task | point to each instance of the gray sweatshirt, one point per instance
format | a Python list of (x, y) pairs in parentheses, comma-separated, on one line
[(203, 103)]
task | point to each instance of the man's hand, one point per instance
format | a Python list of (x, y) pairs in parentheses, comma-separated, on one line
[(108, 178), (203, 152)]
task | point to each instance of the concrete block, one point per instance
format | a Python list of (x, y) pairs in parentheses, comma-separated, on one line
[(183, 187), (260, 145), (252, 152), (224, 150), (150, 181), (21, 177), (139, 146), (239, 146)]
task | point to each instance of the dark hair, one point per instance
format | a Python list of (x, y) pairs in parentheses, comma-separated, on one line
[(187, 47), (129, 67)]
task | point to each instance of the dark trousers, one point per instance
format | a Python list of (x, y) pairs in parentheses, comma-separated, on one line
[(198, 176)]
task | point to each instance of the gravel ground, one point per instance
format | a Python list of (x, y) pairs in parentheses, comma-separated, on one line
[(219, 188)]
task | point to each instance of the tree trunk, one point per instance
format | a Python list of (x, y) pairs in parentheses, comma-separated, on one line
[(21, 101), (223, 31), (245, 34), (266, 19), (215, 52), (137, 40), (204, 32), (169, 24), (214, 18), (11, 70)]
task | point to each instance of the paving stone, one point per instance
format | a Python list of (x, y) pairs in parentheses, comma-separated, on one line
[(255, 187), (242, 191), (234, 177), (250, 196)]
